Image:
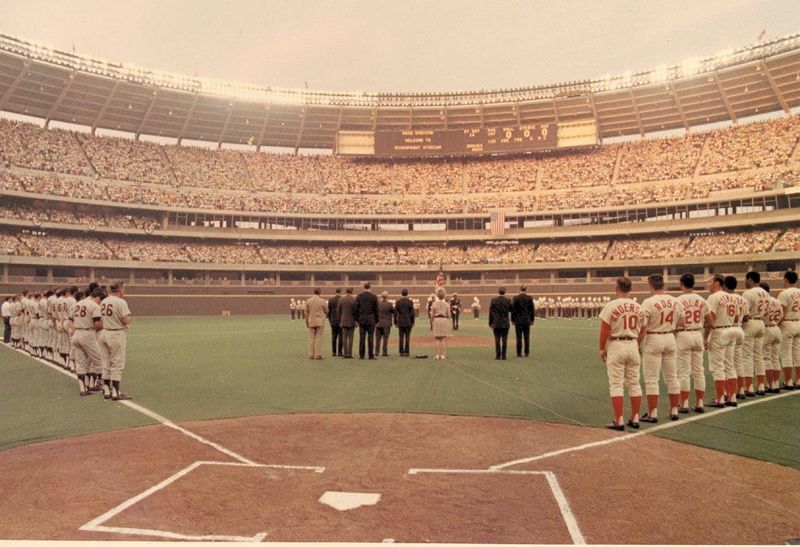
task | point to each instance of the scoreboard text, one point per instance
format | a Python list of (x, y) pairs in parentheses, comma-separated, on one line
[(460, 142)]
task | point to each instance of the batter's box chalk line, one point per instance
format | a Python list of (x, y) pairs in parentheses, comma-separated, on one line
[(563, 505), (96, 525)]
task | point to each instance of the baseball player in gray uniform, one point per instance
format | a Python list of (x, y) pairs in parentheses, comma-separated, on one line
[(116, 316), (85, 323)]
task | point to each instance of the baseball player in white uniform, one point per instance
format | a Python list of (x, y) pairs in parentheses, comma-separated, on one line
[(721, 336), (70, 302), (659, 351), (622, 326), (15, 307), (754, 328), (738, 349), (85, 324), (790, 330), (689, 343), (772, 344), (116, 316), (51, 325)]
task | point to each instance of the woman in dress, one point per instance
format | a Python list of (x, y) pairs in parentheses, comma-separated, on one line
[(440, 319)]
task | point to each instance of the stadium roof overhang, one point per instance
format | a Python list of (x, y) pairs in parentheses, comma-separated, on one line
[(53, 85)]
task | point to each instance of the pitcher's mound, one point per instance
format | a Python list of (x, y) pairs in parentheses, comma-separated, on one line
[(455, 341)]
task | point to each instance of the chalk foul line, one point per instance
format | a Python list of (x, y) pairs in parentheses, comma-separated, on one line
[(631, 436), (563, 504)]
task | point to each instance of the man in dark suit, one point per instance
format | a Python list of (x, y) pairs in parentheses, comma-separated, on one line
[(404, 319), (347, 321), (522, 315), (333, 317), (499, 310), (366, 315), (385, 320), (455, 310)]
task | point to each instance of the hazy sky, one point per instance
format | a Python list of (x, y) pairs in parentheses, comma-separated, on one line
[(384, 45)]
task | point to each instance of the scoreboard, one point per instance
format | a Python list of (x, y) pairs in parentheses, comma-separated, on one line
[(465, 142)]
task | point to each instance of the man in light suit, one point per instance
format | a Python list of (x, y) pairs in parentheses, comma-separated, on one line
[(347, 322), (316, 311)]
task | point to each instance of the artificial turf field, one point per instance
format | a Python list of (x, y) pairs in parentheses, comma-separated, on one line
[(201, 368)]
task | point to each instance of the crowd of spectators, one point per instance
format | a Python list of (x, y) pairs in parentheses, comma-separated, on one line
[(234, 180), (10, 244), (732, 243), (654, 247), (42, 243), (572, 251), (28, 145), (579, 168), (126, 159), (205, 168), (63, 246), (500, 175), (789, 241), (148, 250), (283, 172), (40, 215), (660, 159), (747, 146)]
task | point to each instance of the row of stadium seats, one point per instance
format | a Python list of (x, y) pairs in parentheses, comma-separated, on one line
[(756, 145), (39, 243), (167, 196)]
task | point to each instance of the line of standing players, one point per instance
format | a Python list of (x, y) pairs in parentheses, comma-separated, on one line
[(82, 331), (749, 338)]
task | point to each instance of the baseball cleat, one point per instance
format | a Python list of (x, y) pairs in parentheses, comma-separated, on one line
[(673, 417), (85, 393), (761, 393), (684, 410), (715, 404), (634, 425), (699, 409), (648, 419), (615, 427), (121, 397), (750, 393), (734, 404)]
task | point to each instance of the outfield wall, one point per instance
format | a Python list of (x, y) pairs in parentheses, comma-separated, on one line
[(145, 301)]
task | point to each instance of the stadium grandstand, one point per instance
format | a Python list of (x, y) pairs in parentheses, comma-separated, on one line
[(564, 213), (237, 312)]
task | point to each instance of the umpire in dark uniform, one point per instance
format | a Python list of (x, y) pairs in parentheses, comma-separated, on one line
[(455, 310), (499, 310), (347, 321), (366, 315), (522, 315), (404, 319), (333, 318)]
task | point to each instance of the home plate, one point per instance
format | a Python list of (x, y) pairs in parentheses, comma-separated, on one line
[(344, 501)]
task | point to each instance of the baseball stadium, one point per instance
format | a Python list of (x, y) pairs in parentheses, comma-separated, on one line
[(200, 226)]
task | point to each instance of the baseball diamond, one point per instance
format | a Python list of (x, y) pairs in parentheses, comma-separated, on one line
[(564, 313)]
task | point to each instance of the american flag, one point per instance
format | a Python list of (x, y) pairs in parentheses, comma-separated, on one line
[(497, 223)]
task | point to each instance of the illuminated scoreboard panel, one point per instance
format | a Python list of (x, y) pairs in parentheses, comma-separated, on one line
[(486, 140)]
